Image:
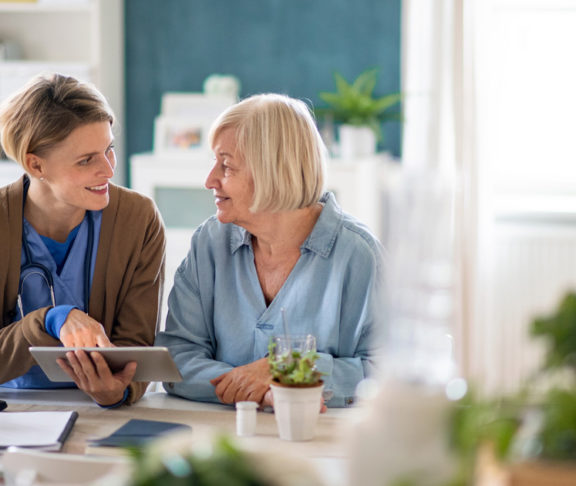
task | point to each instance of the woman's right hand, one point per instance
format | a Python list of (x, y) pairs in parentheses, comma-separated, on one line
[(80, 330)]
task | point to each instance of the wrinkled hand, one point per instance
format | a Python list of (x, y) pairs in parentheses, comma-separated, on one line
[(93, 376), (268, 401), (247, 382), (80, 330)]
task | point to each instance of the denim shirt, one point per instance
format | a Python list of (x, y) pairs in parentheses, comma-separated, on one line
[(218, 318)]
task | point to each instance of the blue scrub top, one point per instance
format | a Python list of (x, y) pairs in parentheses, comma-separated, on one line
[(66, 262)]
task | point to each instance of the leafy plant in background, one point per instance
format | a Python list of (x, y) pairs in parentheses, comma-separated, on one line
[(293, 368), (354, 103), (557, 437), (226, 465), (559, 330), (499, 421), (474, 422)]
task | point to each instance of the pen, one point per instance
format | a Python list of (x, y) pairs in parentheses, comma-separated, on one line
[(3, 405)]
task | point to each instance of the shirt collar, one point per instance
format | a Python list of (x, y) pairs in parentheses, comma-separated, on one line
[(239, 237), (321, 239)]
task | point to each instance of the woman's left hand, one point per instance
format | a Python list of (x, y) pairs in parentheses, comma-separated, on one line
[(92, 375), (248, 382)]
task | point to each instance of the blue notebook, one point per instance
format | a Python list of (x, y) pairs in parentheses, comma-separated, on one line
[(136, 433)]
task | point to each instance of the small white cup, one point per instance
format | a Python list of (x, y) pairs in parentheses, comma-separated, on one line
[(246, 418)]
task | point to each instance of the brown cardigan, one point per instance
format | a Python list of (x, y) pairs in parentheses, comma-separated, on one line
[(126, 287)]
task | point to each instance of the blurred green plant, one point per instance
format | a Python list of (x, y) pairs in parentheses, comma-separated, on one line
[(226, 465), (557, 437), (559, 330), (293, 368), (501, 421), (354, 103), (474, 422)]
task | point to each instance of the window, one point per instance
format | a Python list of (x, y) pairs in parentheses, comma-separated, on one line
[(527, 84)]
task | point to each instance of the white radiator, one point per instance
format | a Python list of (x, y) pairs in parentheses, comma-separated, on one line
[(530, 267)]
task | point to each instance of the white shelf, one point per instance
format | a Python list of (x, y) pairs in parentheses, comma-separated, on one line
[(84, 39), (32, 7), (359, 185)]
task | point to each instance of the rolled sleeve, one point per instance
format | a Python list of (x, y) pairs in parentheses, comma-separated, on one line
[(55, 319)]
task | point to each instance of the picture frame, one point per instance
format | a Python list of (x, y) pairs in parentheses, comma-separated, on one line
[(179, 134), (184, 122)]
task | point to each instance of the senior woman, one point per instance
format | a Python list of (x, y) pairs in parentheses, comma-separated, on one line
[(276, 242), (81, 260)]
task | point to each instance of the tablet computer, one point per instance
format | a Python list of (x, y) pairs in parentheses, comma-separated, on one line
[(155, 363)]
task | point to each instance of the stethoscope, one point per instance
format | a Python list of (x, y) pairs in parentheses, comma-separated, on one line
[(39, 269)]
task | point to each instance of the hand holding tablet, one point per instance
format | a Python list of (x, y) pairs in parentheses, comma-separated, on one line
[(154, 363)]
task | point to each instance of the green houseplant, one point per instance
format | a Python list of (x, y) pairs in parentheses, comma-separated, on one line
[(296, 385), (224, 464), (293, 367), (355, 108), (533, 432), (219, 460)]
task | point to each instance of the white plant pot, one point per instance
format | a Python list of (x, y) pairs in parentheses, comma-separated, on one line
[(356, 141), (296, 410)]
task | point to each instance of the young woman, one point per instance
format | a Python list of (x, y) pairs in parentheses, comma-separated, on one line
[(81, 259)]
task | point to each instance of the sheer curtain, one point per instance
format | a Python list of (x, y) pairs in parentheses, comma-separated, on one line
[(490, 108), (431, 238), (524, 177), (440, 141)]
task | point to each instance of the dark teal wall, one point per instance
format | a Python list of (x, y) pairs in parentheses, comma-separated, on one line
[(287, 46)]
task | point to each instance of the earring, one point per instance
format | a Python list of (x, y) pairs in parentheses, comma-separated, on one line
[(41, 179)]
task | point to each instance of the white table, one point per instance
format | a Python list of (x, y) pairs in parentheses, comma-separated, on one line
[(326, 452)]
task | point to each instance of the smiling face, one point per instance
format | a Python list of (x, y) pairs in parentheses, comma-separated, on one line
[(231, 181), (76, 171)]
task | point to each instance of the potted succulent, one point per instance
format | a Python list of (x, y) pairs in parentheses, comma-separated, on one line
[(531, 435), (359, 113), (296, 386)]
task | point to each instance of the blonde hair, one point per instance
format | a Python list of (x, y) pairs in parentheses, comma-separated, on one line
[(278, 138), (45, 111)]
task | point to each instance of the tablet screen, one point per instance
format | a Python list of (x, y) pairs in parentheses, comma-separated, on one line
[(154, 363)]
